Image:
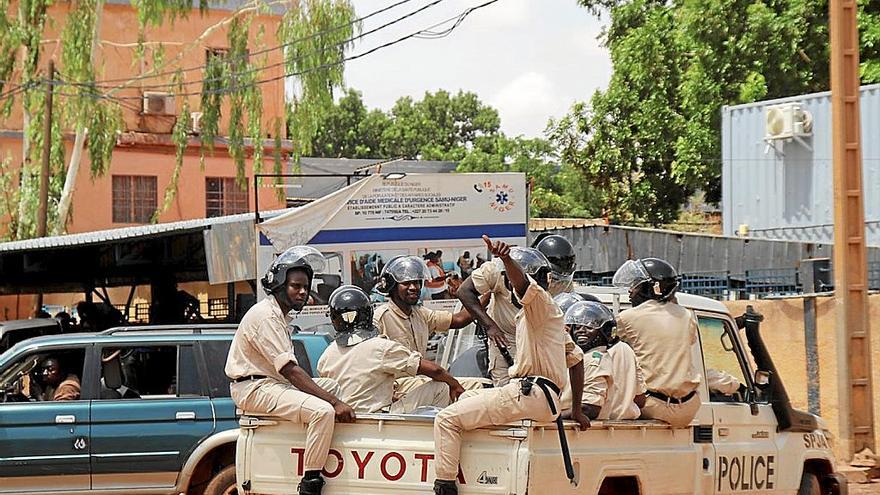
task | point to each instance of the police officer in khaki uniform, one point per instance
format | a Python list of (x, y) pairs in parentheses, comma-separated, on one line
[(614, 387), (366, 364), (544, 351), (403, 319), (266, 379), (662, 334), (498, 318)]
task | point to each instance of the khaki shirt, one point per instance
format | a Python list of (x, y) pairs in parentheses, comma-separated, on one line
[(612, 379), (489, 279), (721, 382), (262, 343), (412, 331), (543, 347), (366, 371), (662, 336)]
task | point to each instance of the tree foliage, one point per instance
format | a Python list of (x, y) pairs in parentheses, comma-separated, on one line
[(315, 35), (457, 127), (652, 137)]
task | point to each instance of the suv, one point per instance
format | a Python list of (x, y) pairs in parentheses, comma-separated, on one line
[(153, 415)]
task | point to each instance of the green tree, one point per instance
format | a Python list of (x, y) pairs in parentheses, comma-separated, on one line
[(317, 33), (652, 138), (459, 127)]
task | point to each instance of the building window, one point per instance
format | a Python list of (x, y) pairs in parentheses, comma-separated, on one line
[(134, 198), (224, 197)]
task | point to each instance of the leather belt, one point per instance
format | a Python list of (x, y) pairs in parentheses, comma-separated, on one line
[(546, 386), (248, 378), (671, 400)]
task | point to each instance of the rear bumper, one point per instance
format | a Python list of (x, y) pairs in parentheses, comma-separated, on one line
[(835, 484)]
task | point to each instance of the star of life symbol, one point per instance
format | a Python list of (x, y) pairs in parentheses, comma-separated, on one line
[(500, 193)]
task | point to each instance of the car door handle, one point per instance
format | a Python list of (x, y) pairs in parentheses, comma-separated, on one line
[(65, 419), (185, 415)]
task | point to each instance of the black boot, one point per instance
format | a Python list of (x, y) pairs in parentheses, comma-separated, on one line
[(445, 487), (311, 486)]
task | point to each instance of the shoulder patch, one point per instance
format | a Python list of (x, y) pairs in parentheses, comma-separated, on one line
[(597, 355)]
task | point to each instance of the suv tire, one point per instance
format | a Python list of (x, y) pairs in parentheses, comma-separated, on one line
[(809, 485), (223, 483)]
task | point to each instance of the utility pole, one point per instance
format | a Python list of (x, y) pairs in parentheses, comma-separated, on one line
[(856, 411), (43, 211)]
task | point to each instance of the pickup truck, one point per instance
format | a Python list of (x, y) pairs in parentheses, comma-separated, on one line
[(750, 442), (153, 417)]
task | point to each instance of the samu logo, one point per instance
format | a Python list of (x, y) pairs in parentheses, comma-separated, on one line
[(485, 479), (501, 195)]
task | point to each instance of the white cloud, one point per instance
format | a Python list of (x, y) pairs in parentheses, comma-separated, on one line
[(526, 102)]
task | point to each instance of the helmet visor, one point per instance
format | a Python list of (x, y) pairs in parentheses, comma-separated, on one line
[(529, 259), (299, 255), (348, 339), (407, 269), (630, 274), (566, 300), (589, 314)]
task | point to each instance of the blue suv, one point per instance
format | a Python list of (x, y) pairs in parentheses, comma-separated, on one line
[(152, 412)]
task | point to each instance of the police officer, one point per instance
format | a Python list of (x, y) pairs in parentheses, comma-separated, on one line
[(498, 318), (266, 378), (366, 364), (614, 387), (662, 334), (403, 319), (560, 254), (544, 351)]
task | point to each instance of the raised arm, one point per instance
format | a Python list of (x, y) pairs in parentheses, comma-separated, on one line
[(518, 279)]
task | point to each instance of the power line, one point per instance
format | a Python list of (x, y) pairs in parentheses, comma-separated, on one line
[(401, 39)]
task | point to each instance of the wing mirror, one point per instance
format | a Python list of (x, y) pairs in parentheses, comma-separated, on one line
[(762, 379)]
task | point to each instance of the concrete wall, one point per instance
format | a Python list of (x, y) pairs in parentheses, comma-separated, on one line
[(783, 331)]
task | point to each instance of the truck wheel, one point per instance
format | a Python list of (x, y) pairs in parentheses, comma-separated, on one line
[(810, 485), (223, 483)]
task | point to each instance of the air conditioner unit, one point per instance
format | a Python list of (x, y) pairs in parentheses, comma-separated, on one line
[(158, 103), (195, 119), (787, 121)]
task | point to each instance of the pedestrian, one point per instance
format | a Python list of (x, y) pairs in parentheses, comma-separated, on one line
[(544, 351), (436, 283), (662, 334), (366, 364), (266, 378), (465, 264)]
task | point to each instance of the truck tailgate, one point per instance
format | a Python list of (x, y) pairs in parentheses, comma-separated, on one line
[(378, 455)]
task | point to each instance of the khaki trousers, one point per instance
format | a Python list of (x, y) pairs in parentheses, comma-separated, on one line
[(498, 368), (677, 415), (404, 386), (479, 408), (271, 398), (427, 394)]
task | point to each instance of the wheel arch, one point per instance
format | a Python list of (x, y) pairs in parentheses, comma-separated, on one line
[(218, 450)]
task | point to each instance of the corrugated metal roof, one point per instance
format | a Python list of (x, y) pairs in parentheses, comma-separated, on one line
[(786, 193), (126, 233)]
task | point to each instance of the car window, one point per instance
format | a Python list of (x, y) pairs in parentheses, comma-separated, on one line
[(724, 373), (54, 375), (144, 372), (215, 352)]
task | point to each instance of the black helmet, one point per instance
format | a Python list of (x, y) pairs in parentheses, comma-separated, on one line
[(351, 313), (560, 253), (650, 278), (594, 316), (305, 257), (532, 262), (402, 269)]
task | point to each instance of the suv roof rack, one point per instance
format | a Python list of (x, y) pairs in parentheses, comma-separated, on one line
[(195, 328)]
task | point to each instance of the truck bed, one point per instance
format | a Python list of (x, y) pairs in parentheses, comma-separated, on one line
[(393, 454)]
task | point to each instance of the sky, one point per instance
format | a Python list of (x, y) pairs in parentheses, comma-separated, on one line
[(530, 59)]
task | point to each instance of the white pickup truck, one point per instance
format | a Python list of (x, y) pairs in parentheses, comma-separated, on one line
[(751, 442)]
